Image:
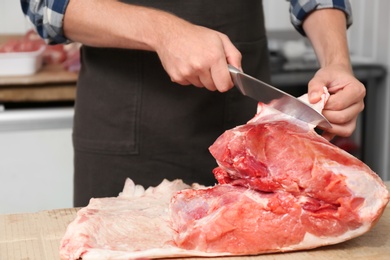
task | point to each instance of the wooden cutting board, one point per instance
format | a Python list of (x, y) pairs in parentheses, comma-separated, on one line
[(51, 83), (38, 235), (49, 74)]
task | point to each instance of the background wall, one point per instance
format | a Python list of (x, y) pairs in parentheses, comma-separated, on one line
[(12, 20), (277, 15)]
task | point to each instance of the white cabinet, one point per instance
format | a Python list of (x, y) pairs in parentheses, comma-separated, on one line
[(36, 160)]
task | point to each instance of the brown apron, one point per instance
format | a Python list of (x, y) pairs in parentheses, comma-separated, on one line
[(132, 121)]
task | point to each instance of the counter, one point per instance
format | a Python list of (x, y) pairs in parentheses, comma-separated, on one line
[(51, 83), (37, 236)]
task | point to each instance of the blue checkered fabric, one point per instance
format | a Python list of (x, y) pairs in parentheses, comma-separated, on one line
[(299, 9), (47, 17)]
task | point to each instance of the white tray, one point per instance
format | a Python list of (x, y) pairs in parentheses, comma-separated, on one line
[(21, 63)]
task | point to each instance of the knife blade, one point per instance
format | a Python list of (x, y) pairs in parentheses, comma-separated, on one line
[(276, 98)]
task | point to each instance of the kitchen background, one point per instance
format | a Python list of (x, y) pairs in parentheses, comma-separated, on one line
[(35, 143)]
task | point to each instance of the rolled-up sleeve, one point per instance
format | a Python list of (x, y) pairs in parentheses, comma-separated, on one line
[(299, 9), (47, 17)]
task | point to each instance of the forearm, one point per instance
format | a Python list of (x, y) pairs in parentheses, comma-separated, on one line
[(326, 29), (132, 27), (190, 54)]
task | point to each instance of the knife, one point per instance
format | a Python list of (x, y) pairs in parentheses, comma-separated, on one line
[(281, 101)]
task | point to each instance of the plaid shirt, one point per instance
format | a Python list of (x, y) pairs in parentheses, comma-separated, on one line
[(47, 15), (299, 9)]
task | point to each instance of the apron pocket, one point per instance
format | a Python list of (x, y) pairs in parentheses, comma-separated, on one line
[(108, 102)]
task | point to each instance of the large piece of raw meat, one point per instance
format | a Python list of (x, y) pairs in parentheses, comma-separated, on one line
[(282, 187)]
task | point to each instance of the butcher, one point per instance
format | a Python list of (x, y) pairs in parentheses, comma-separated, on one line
[(154, 91)]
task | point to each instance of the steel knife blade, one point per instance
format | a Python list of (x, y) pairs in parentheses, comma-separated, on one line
[(276, 98)]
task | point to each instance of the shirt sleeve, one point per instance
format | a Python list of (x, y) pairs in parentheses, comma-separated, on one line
[(47, 17), (299, 9)]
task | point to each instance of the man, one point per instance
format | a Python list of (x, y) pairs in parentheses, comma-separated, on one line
[(136, 115)]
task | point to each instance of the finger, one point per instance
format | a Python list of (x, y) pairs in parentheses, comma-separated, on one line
[(196, 82), (345, 115), (220, 72), (207, 81), (221, 77), (316, 88), (181, 82), (343, 130), (189, 81), (346, 97), (233, 55)]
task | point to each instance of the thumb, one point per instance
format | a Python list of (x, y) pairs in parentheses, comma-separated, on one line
[(315, 90)]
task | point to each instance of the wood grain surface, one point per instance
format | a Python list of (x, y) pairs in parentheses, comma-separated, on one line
[(38, 235)]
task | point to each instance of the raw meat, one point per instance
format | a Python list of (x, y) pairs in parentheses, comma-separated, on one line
[(282, 187), (309, 192), (134, 225), (66, 55), (72, 62)]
